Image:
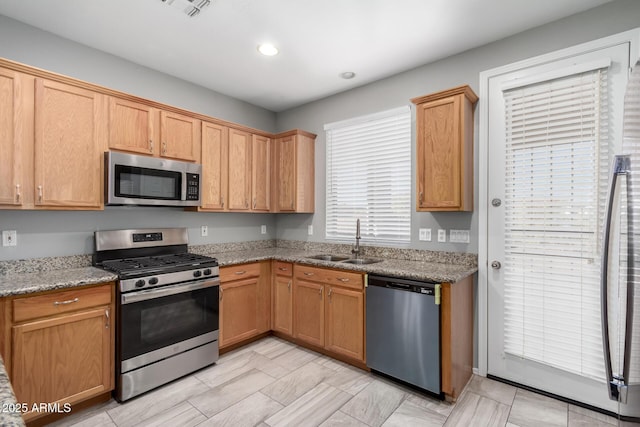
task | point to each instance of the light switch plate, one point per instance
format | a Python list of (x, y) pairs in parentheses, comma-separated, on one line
[(263, 229), (459, 236), (310, 230), (425, 234), (204, 231), (9, 238), (442, 236)]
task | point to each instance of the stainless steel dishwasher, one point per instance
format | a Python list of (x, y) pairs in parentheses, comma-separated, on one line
[(403, 331)]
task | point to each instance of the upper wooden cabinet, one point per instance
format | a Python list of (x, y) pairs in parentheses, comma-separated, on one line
[(444, 142), (70, 137), (179, 136), (260, 173), (132, 127), (12, 143), (239, 170), (215, 166), (294, 172)]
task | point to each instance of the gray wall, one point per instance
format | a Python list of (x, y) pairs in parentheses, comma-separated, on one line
[(63, 233), (464, 68), (52, 233)]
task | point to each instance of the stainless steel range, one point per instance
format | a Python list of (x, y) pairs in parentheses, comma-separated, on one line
[(167, 306)]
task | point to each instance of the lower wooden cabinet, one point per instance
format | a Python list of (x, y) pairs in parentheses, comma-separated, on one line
[(282, 306), (245, 298), (328, 308), (62, 346)]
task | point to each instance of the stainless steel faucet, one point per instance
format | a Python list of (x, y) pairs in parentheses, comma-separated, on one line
[(356, 250)]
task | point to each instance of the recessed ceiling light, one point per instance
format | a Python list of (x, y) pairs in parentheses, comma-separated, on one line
[(348, 75), (267, 49)]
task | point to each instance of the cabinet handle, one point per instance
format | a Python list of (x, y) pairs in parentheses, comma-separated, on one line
[(343, 279), (421, 198), (254, 203), (106, 313), (320, 293), (164, 147), (241, 272), (17, 193), (221, 292), (70, 301), (151, 145), (283, 268), (289, 285), (292, 205), (246, 203), (222, 202), (329, 295), (39, 193), (308, 273)]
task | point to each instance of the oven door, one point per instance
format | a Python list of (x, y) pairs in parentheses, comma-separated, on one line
[(159, 323)]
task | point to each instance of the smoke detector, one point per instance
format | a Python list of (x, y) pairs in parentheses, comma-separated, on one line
[(189, 7)]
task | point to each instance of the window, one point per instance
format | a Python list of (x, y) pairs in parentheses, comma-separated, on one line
[(369, 178), (555, 189)]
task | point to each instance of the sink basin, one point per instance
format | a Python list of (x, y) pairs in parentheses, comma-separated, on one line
[(362, 261), (329, 257)]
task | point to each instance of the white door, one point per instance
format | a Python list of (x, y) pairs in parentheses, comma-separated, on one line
[(552, 131)]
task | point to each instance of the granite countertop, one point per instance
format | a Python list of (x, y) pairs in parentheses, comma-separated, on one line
[(416, 270), (9, 416), (26, 283)]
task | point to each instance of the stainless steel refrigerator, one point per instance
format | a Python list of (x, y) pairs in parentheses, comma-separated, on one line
[(620, 293)]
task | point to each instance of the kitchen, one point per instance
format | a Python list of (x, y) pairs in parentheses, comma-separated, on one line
[(40, 234)]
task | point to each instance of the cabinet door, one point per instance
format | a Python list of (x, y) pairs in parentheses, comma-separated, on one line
[(179, 136), (215, 161), (132, 127), (439, 154), (308, 306), (70, 138), (64, 359), (239, 170), (260, 173), (286, 164), (12, 113), (282, 305), (238, 310), (345, 322)]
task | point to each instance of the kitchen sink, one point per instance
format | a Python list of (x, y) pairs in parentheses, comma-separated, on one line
[(362, 261), (329, 257)]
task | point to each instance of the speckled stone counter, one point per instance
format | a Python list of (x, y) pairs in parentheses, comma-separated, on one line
[(8, 416), (402, 268), (26, 283)]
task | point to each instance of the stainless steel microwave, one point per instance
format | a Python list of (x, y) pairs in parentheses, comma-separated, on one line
[(142, 180)]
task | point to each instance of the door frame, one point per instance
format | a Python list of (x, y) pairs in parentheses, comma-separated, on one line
[(633, 38)]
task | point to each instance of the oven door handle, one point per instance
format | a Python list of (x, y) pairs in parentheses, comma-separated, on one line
[(168, 290)]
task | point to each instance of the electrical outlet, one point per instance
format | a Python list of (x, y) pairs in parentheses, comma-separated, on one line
[(310, 230), (263, 229), (425, 234), (204, 231), (442, 236), (459, 236), (9, 238)]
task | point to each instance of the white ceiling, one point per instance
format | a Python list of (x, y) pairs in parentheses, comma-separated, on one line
[(318, 40)]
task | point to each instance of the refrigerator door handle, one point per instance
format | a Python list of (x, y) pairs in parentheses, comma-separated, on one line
[(617, 384)]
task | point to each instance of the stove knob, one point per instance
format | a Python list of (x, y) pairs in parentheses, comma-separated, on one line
[(207, 272), (140, 283), (153, 281), (197, 273)]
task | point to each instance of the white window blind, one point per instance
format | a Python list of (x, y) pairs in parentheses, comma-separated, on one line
[(369, 177), (555, 188)]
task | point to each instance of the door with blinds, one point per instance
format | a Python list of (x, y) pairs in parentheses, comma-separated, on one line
[(553, 129)]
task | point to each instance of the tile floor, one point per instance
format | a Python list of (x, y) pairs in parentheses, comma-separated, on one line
[(272, 382)]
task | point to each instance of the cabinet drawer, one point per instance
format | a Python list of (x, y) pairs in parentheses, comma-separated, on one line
[(328, 276), (60, 302), (284, 269), (242, 271)]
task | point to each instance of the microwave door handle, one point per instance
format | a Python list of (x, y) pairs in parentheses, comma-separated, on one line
[(620, 167), (183, 193)]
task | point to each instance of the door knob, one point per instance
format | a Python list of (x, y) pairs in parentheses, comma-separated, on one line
[(496, 265)]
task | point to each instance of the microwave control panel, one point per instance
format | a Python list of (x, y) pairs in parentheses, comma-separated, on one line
[(193, 186)]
